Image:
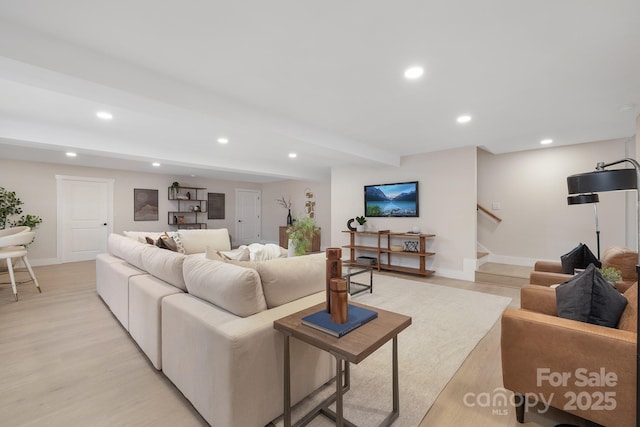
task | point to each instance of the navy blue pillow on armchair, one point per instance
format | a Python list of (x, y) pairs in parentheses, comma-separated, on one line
[(588, 297), (578, 257)]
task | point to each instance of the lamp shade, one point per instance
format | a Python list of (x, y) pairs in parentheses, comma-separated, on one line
[(606, 180), (580, 199)]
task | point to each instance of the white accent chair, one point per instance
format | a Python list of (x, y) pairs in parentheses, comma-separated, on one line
[(13, 244)]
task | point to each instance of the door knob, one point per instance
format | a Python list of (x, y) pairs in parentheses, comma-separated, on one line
[(104, 223)]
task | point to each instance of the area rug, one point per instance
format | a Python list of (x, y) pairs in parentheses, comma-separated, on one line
[(447, 324)]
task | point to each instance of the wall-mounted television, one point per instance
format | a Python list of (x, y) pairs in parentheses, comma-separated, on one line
[(391, 200)]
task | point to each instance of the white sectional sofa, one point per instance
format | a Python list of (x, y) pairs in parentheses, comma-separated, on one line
[(208, 324)]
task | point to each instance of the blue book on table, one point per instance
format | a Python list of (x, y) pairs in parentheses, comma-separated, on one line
[(321, 320)]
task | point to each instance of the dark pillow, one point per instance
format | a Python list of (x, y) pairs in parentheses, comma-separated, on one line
[(167, 243), (578, 257), (588, 297)]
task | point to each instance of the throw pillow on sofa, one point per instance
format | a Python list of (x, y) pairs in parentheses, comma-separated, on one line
[(588, 297), (578, 257), (231, 287)]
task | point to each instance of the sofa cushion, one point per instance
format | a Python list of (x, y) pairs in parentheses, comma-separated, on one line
[(588, 297), (288, 279), (629, 319), (231, 287), (128, 249), (196, 241), (578, 257), (240, 254), (165, 265), (141, 236)]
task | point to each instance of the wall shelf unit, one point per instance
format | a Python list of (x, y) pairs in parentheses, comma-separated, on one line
[(191, 207), (387, 258)]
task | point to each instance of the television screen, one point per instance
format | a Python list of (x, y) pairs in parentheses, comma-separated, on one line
[(391, 200)]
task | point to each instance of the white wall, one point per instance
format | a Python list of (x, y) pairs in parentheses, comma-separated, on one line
[(35, 184), (532, 190), (275, 215), (447, 181)]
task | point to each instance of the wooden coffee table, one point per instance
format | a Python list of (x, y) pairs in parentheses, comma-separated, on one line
[(351, 348)]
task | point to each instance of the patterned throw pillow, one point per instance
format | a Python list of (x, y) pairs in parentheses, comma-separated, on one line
[(178, 241)]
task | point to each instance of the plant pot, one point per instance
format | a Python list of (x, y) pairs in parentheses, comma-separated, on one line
[(291, 249), (361, 227)]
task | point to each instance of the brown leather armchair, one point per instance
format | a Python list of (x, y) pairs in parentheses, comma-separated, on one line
[(547, 273), (585, 369)]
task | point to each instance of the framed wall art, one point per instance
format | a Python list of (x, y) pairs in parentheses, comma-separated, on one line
[(145, 205), (215, 205)]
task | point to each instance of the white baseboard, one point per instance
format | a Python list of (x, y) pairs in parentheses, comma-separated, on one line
[(505, 259)]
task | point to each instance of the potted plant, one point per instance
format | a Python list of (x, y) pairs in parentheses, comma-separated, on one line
[(361, 223), (10, 206), (175, 188), (301, 234), (611, 274)]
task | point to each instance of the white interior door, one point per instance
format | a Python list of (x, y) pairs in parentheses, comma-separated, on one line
[(85, 212), (248, 228)]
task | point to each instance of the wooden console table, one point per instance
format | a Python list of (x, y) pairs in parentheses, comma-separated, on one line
[(354, 347), (385, 257)]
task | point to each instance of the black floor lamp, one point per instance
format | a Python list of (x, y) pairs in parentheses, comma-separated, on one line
[(613, 180), (580, 199)]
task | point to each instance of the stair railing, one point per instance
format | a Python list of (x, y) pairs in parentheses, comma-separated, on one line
[(488, 212)]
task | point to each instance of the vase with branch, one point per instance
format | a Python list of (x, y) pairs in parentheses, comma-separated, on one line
[(286, 203)]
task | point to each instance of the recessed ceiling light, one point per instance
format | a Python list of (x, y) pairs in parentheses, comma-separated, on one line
[(546, 141), (293, 155), (223, 140), (104, 115), (413, 73), (71, 154), (464, 119), (155, 164)]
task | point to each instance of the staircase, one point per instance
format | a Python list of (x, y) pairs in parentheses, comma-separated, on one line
[(503, 274)]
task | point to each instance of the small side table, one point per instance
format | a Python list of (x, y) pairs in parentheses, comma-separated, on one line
[(349, 270), (354, 347)]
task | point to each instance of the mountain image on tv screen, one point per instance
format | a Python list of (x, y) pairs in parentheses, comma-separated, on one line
[(391, 200)]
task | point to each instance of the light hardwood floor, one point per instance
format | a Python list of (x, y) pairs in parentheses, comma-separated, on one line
[(66, 361)]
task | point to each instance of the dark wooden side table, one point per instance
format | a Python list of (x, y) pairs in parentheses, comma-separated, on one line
[(354, 347)]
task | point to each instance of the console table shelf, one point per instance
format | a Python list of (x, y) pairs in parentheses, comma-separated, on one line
[(386, 256)]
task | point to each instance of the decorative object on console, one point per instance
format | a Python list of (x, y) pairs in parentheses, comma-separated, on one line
[(286, 203), (339, 303), (349, 226), (361, 223), (411, 245), (613, 180), (334, 270), (145, 205), (415, 229)]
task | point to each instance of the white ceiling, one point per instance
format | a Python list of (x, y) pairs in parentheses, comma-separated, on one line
[(322, 79)]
